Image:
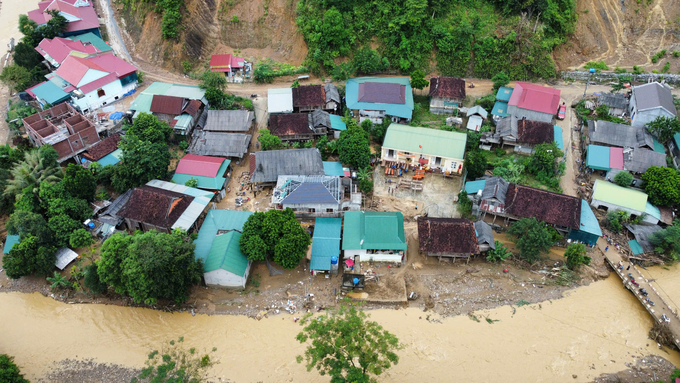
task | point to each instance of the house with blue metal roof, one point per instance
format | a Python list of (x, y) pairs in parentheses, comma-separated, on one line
[(333, 169), (375, 98), (10, 241), (500, 108), (217, 246), (589, 230), (474, 187), (325, 244), (48, 93)]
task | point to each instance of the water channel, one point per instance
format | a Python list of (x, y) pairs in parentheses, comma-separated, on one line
[(593, 330)]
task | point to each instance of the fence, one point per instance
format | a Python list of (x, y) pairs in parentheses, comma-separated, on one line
[(609, 76)]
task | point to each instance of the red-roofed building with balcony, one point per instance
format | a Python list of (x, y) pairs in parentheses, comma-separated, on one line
[(534, 102), (80, 15), (234, 67)]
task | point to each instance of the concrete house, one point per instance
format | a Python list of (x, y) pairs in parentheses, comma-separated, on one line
[(447, 237), (611, 197), (534, 102), (267, 166), (374, 236), (61, 126), (56, 50), (80, 16), (316, 196), (142, 103), (280, 100), (222, 133), (217, 245), (235, 68), (433, 148), (446, 94), (325, 245), (649, 101), (375, 98)]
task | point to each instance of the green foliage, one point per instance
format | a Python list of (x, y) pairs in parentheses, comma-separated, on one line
[(619, 70), (36, 167), (346, 346), (142, 266), (219, 100), (322, 145), (18, 110), (28, 257), (148, 127), (263, 74), (662, 185), (215, 80), (532, 237), (476, 164), (544, 159), (234, 19), (667, 241), (353, 146), (62, 226), (464, 205), (140, 77), (499, 80), (576, 256), (192, 183), (499, 254), (666, 67), (369, 61), (9, 372), (16, 77), (379, 130), (184, 145), (175, 364), (268, 140), (509, 169), (172, 17), (92, 281), (664, 128), (418, 80), (187, 66), (366, 186), (80, 238), (28, 224), (79, 182), (142, 161), (57, 281), (616, 219), (638, 69), (267, 70), (487, 102), (295, 84), (658, 55), (277, 235), (597, 65), (623, 178)]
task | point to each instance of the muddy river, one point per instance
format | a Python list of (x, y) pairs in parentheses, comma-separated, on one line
[(592, 330)]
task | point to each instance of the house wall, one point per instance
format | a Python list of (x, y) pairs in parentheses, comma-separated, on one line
[(530, 114), (90, 75), (611, 207), (82, 32), (224, 278), (675, 153), (446, 163), (312, 209), (365, 256), (444, 105), (133, 225), (113, 92), (644, 117)]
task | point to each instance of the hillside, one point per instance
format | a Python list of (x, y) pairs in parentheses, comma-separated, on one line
[(471, 38)]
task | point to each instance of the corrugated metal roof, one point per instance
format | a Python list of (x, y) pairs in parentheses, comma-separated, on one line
[(635, 247), (280, 100), (404, 110), (270, 164), (477, 110), (597, 157), (142, 102), (333, 169), (642, 234), (619, 196), (616, 158), (653, 211), (219, 144), (49, 92), (337, 123), (484, 234), (10, 241), (504, 94), (589, 222), (229, 120), (204, 182), (558, 137), (433, 141), (111, 158), (225, 253), (535, 97), (201, 199), (653, 95), (500, 109), (310, 193), (474, 123), (200, 165), (472, 187), (183, 122), (215, 221), (373, 230), (325, 242), (64, 257), (94, 40)]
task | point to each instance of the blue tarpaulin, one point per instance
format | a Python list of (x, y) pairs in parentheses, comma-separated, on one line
[(116, 116)]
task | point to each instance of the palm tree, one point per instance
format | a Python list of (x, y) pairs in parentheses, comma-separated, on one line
[(30, 172), (57, 281), (364, 174)]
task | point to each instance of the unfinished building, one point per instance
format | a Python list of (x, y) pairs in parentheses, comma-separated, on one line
[(61, 126), (316, 196)]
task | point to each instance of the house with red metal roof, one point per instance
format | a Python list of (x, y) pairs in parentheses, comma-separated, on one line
[(210, 173), (234, 67), (180, 113), (79, 14), (534, 102), (56, 50)]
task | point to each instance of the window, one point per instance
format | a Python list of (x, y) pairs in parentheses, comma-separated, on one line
[(311, 210), (116, 98), (100, 92), (330, 211)]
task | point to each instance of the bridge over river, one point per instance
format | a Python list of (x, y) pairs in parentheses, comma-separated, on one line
[(655, 293)]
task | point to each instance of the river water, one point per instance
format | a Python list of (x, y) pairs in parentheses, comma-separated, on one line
[(594, 329)]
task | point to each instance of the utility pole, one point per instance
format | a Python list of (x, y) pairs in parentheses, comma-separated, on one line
[(592, 70)]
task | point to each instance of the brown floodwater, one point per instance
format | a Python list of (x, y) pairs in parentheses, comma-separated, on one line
[(594, 329)]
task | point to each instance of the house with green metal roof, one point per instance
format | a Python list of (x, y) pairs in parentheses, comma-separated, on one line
[(47, 93), (10, 241), (432, 148), (93, 39), (325, 244), (217, 245), (374, 236), (375, 98), (612, 197)]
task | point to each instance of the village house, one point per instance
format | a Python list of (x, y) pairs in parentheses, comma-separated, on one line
[(375, 98), (447, 237), (485, 239), (79, 14), (295, 127), (674, 149), (280, 100), (316, 196), (616, 102), (164, 206), (476, 117), (607, 133), (373, 236), (500, 108), (210, 173), (105, 152), (325, 245), (608, 196), (217, 245), (641, 243), (142, 103), (523, 134), (267, 166), (63, 256), (638, 160), (56, 50), (533, 102), (333, 124), (61, 126), (446, 94), (235, 68), (91, 38), (180, 113), (222, 133), (649, 101), (307, 98), (434, 149)]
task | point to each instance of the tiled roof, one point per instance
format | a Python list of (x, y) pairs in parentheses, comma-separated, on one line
[(102, 148), (167, 104), (289, 124), (447, 236), (309, 95), (552, 208), (535, 132), (448, 87), (155, 206)]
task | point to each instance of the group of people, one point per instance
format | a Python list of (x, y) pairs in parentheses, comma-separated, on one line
[(611, 242)]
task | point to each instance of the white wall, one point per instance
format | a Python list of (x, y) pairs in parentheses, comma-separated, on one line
[(93, 101), (447, 163), (223, 278), (365, 257), (611, 207), (646, 116)]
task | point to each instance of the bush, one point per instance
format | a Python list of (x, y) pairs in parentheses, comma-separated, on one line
[(597, 65), (268, 140), (623, 178), (499, 254), (192, 183), (576, 256), (464, 205), (676, 54), (658, 55), (666, 67), (92, 281), (638, 69), (619, 70), (9, 372), (532, 238), (366, 186), (187, 66), (80, 238)]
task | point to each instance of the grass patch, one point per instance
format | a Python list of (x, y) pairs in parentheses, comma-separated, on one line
[(597, 65)]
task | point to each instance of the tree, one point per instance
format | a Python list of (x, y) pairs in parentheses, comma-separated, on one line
[(623, 178), (366, 186), (76, 209), (18, 110), (347, 346), (379, 130), (16, 77), (80, 182), (268, 140), (322, 145), (92, 281), (664, 128), (532, 237), (26, 224), (576, 256), (263, 74), (499, 80), (464, 205), (57, 281), (354, 147), (367, 126), (544, 159), (9, 372), (667, 241), (37, 166), (368, 61), (152, 266), (29, 257), (499, 254), (476, 164), (62, 226), (276, 235), (26, 56), (142, 161), (148, 127), (80, 238), (418, 80), (295, 84), (215, 80), (174, 364), (662, 185)]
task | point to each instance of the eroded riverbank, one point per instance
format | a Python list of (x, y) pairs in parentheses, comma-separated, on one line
[(593, 330)]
